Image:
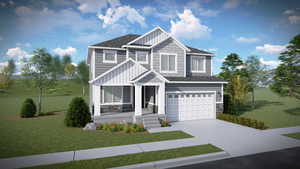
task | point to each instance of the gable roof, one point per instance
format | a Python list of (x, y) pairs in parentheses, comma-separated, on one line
[(141, 76), (117, 42), (194, 50)]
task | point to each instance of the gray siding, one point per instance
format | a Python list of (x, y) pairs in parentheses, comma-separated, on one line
[(169, 46), (101, 67), (131, 54), (219, 108), (197, 87), (189, 68)]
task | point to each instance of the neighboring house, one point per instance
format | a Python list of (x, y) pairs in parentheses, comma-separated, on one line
[(140, 78)]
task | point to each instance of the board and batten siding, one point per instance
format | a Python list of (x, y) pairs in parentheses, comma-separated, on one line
[(207, 67), (169, 46), (196, 87), (101, 67), (152, 38), (132, 54)]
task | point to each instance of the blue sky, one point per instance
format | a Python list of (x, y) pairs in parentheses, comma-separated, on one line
[(246, 27)]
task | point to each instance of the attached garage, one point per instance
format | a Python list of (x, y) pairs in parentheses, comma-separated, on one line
[(181, 106)]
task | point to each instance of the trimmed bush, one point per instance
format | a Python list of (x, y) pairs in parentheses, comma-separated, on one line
[(28, 108), (78, 114), (127, 128), (165, 123), (243, 121)]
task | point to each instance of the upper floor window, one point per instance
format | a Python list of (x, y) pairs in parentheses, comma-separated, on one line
[(168, 63), (109, 56), (198, 64), (141, 57)]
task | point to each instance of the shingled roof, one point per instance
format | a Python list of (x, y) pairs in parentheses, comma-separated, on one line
[(123, 40), (196, 78)]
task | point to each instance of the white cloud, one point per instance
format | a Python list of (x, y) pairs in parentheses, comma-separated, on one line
[(246, 39), (294, 19), (240, 67), (189, 27), (151, 11), (17, 53), (231, 3), (94, 6), (32, 20), (271, 49), (213, 49), (67, 51), (113, 15), (272, 63), (196, 5), (288, 12)]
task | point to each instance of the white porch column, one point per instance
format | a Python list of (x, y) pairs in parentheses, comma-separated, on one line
[(97, 100), (138, 100), (161, 98)]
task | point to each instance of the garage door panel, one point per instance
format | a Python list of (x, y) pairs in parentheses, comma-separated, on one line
[(190, 106)]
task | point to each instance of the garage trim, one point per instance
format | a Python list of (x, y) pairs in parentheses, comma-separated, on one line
[(186, 92)]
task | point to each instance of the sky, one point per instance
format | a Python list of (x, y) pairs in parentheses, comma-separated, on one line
[(246, 27)]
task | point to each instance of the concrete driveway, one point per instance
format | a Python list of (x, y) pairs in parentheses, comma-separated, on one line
[(235, 139)]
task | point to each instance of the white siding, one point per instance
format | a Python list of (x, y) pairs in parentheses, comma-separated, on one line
[(122, 75), (96, 100), (152, 38)]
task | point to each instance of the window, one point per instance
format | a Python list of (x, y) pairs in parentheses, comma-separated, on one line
[(109, 56), (116, 94), (198, 64), (141, 57), (168, 63)]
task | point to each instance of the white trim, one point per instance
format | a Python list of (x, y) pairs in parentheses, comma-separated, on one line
[(204, 64), (143, 87), (114, 84), (136, 57), (115, 103), (216, 82), (219, 102), (102, 47), (135, 46), (115, 67), (211, 66), (170, 92), (185, 64), (160, 62), (127, 53), (149, 84), (151, 59), (110, 61), (222, 94), (140, 37), (201, 54), (93, 63), (151, 71)]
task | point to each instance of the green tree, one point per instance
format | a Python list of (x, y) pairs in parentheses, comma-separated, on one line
[(255, 71), (39, 69), (232, 66), (66, 60), (83, 75), (5, 78), (287, 74), (12, 67), (57, 67), (238, 90), (70, 70)]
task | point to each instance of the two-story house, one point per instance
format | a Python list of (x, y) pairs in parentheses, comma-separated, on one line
[(152, 75)]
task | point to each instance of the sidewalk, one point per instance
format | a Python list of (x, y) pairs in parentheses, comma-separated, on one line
[(61, 157)]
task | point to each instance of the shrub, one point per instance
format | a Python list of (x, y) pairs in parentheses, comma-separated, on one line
[(140, 128), (243, 121), (228, 106), (78, 114), (28, 108), (128, 128), (165, 123)]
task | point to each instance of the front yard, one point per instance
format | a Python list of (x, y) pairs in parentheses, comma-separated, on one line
[(135, 158), (293, 135), (48, 134)]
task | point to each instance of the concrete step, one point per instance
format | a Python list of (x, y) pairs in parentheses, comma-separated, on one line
[(152, 125)]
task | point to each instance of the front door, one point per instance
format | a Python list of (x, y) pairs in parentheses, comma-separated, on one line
[(149, 99)]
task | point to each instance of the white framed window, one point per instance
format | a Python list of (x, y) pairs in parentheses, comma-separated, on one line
[(116, 95), (198, 64), (141, 57), (168, 62), (109, 56)]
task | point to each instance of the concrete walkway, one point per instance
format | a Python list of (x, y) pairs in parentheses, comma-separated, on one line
[(61, 157), (235, 139)]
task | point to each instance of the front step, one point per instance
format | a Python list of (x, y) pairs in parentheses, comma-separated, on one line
[(151, 121)]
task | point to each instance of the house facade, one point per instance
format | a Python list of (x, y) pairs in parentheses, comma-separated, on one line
[(152, 75)]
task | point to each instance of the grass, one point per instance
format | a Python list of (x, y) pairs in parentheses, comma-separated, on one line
[(135, 158), (273, 110), (48, 134), (293, 135)]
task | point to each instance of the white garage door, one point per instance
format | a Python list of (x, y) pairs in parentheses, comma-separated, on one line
[(190, 106)]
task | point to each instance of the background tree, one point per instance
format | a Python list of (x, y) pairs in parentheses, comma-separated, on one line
[(66, 60), (287, 74), (231, 66), (5, 79), (39, 69), (11, 66), (57, 67), (255, 71), (83, 75), (70, 70), (238, 90)]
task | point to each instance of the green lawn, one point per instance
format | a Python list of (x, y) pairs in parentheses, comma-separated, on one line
[(293, 135), (48, 134), (135, 158), (274, 110)]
